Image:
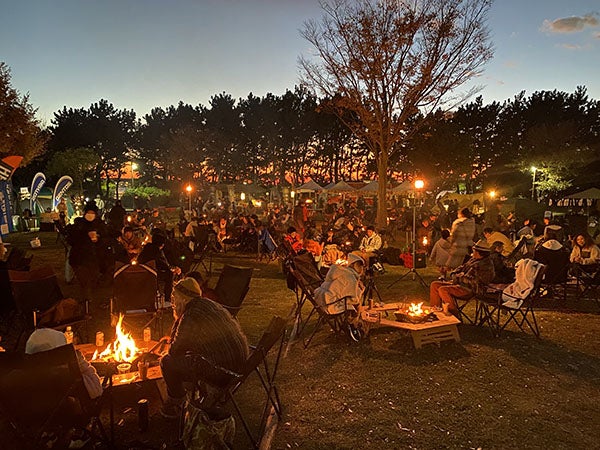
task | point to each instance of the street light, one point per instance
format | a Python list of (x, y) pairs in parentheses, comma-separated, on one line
[(534, 171), (189, 189), (492, 194), (134, 167)]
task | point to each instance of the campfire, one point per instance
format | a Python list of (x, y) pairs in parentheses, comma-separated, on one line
[(123, 349), (415, 313)]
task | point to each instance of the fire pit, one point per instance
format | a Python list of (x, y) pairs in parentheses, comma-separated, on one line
[(123, 350), (415, 314)]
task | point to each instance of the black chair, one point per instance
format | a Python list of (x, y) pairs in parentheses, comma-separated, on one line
[(37, 297), (588, 282), (497, 309), (136, 294), (43, 394), (232, 287), (202, 250), (257, 363), (306, 268)]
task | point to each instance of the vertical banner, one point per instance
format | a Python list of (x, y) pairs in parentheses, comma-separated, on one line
[(36, 186), (6, 225), (61, 187)]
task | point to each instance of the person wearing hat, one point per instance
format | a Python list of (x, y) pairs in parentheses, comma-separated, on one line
[(467, 279), (550, 252), (492, 236), (205, 339)]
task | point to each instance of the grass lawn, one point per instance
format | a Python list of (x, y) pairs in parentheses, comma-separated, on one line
[(515, 391)]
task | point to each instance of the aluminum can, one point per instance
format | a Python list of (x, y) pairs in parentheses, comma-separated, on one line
[(147, 334), (143, 414), (99, 339)]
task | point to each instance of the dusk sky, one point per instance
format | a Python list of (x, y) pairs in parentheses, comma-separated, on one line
[(146, 53)]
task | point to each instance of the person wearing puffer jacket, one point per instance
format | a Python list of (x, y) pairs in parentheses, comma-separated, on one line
[(553, 255)]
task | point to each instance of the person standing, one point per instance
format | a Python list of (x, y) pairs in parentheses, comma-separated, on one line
[(461, 238)]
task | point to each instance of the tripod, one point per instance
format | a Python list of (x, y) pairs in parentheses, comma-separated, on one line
[(412, 270), (370, 289)]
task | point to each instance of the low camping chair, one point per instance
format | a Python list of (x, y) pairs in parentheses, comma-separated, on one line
[(588, 282), (256, 363), (201, 241), (498, 314), (306, 268), (44, 393), (232, 287), (338, 321), (37, 297), (461, 302), (136, 294)]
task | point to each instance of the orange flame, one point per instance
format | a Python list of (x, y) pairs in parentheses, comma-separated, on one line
[(425, 241), (122, 349), (415, 309)]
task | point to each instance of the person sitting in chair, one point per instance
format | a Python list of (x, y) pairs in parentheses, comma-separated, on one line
[(206, 345), (467, 279), (130, 243), (343, 282), (370, 244)]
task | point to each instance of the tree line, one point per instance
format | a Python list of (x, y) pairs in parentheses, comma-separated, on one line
[(278, 139)]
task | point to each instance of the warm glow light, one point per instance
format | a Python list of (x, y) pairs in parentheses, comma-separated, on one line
[(533, 169), (492, 194), (134, 166), (292, 194), (425, 241), (419, 184), (188, 188), (415, 309), (342, 262), (122, 349), (242, 196)]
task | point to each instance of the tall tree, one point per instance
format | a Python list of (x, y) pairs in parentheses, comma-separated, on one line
[(20, 132), (385, 60)]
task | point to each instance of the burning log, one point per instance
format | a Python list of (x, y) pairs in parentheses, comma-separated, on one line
[(415, 314)]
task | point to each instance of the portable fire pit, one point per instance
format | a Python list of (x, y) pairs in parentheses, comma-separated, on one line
[(415, 314)]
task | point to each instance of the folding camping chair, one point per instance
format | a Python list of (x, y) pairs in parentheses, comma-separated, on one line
[(306, 268), (588, 282), (201, 241), (43, 394), (256, 363), (37, 296), (136, 295), (337, 321), (498, 314), (461, 303), (232, 287)]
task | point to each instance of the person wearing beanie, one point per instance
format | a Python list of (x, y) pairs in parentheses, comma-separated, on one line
[(205, 339), (467, 279)]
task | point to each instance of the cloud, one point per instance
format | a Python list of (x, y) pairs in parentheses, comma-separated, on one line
[(571, 24), (570, 46), (510, 64)]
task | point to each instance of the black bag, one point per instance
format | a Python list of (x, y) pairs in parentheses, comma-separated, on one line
[(391, 256)]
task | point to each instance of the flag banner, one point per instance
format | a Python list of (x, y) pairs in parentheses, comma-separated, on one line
[(36, 186), (6, 224), (8, 166), (61, 187)]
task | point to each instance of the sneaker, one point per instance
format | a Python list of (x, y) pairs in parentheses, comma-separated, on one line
[(354, 333), (170, 410)]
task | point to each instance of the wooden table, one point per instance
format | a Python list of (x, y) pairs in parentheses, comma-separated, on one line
[(443, 329), (121, 379)]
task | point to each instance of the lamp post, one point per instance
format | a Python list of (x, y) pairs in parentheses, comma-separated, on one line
[(189, 189), (533, 171), (133, 168)]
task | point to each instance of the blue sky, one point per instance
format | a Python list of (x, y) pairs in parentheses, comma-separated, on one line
[(146, 53)]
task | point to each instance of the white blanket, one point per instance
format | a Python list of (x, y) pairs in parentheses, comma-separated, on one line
[(526, 271)]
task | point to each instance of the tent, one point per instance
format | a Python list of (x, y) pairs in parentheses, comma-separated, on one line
[(309, 186), (370, 188), (591, 193), (342, 186), (405, 186)]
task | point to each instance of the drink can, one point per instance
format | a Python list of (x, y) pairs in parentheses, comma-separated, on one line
[(143, 414), (147, 334), (99, 339)]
